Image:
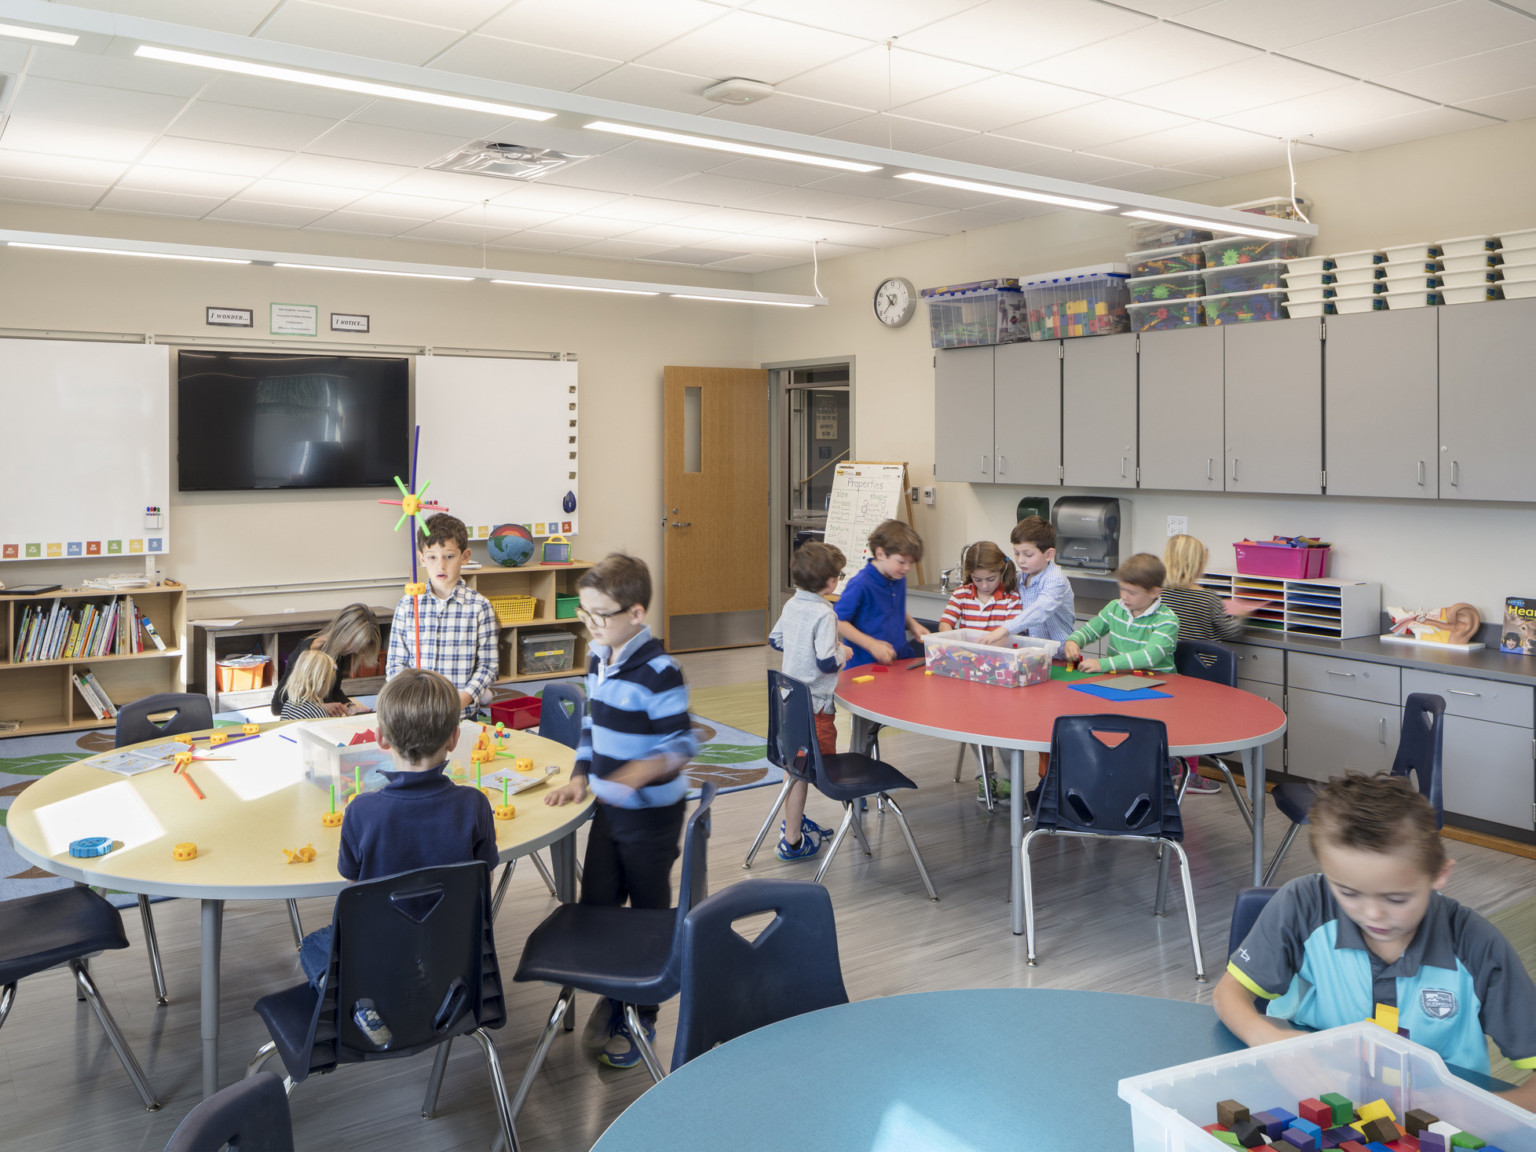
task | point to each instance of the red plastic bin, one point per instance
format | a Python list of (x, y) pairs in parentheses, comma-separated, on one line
[(1258, 558), (522, 712)]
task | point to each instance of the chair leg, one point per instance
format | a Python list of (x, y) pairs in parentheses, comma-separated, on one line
[(988, 789), (858, 830), (1160, 908), (501, 888), (296, 924), (1238, 797), (917, 857), (762, 833), (498, 1087), (1189, 909), (541, 1049), (114, 1037), (152, 944), (959, 759), (837, 841), (1029, 898), (263, 1054), (544, 873), (7, 999), (647, 1053), (435, 1081), (1285, 846)]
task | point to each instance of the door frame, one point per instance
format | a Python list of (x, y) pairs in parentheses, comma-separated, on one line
[(778, 424)]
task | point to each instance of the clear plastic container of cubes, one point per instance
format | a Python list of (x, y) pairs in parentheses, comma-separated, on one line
[(1252, 277), (1179, 286), (975, 314), (1161, 315), (1077, 302), (1363, 1063), (1245, 307), (1250, 250), (330, 757), (1023, 660), (546, 652), (1166, 261)]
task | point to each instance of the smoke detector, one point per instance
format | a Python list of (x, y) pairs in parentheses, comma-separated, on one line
[(738, 91), (508, 161)]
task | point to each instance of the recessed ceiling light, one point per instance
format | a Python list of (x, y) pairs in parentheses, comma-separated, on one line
[(126, 252), (739, 300), (738, 91), (507, 161), (369, 271), (41, 35), (341, 83), (1007, 190), (1214, 226), (729, 146), (577, 287)]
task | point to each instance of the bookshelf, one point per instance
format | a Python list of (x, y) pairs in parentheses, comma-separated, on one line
[(1332, 609), (41, 695), (543, 584)]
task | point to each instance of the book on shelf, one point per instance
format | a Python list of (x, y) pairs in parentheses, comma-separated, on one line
[(90, 678), (98, 709), (149, 628), (1519, 634)]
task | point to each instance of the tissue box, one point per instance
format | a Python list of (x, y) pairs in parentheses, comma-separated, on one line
[(1023, 660)]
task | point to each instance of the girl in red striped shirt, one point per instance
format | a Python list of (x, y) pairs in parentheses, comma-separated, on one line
[(989, 596)]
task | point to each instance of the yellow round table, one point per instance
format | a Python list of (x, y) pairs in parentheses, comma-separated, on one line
[(240, 830)]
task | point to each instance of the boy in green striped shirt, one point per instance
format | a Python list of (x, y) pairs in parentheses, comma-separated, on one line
[(1142, 629)]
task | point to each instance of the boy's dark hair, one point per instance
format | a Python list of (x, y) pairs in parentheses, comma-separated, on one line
[(1034, 530), (623, 579), (418, 712), (897, 538), (1379, 813), (445, 529), (814, 563), (1143, 570)]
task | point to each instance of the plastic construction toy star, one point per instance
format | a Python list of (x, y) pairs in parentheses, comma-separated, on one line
[(413, 507)]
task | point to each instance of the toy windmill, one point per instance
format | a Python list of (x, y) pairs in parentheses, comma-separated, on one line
[(416, 510)]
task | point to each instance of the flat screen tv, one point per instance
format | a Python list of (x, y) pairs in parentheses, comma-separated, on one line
[(254, 420)]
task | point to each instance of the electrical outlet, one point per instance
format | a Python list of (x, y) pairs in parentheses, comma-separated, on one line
[(929, 495), (1178, 525), (913, 494)]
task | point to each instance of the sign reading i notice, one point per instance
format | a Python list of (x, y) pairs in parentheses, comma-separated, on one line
[(345, 322), (295, 319)]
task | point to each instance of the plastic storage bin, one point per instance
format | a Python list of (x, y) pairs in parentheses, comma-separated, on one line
[(960, 653), (1301, 265), (1525, 238), (1467, 279), (975, 314), (1301, 309), (1275, 207), (1419, 298), (1410, 253), (1159, 234), (1251, 277), (521, 712), (1519, 273), (1273, 558), (1519, 290), (1159, 315), (1372, 303), (1178, 286), (1468, 245), (1468, 263), (1362, 1062), (1517, 258), (545, 652), (1352, 261), (1244, 307), (1468, 295), (1294, 279), (1367, 275), (330, 757), (1078, 302), (1166, 261), (1250, 250), (1307, 295), (565, 606), (1416, 276), (241, 673), (514, 609)]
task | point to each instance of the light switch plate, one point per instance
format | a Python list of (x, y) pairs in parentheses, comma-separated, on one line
[(929, 495), (1178, 525)]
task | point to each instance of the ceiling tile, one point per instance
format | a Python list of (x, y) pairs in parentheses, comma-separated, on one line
[(771, 171), (734, 220), (996, 101), (499, 59), (1155, 180), (65, 169), (538, 242), (209, 156), (1165, 8), (51, 192), (1334, 110), (1267, 154), (756, 263), (126, 72), (645, 209), (624, 249), (789, 113), (711, 188), (698, 257), (675, 235), (879, 78), (952, 198), (1004, 34), (621, 29), (292, 194), (271, 215), (619, 173), (1471, 77), (995, 151), (1397, 129), (260, 127), (386, 145), (952, 223), (502, 218), (426, 118), (652, 87), (898, 132), (552, 198), (1235, 87), (871, 19), (362, 222), (357, 32), (449, 232), (339, 172), (1095, 124), (460, 14), (408, 207), (808, 202), (1078, 166), (1257, 24), (55, 138), (592, 227), (1420, 38), (238, 16), (1174, 145), (459, 186), (1149, 55), (755, 47), (157, 203), (13, 54), (146, 177), (1517, 105), (252, 92), (91, 104)]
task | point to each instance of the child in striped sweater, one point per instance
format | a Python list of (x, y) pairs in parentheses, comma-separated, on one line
[(309, 681), (1142, 629), (988, 596)]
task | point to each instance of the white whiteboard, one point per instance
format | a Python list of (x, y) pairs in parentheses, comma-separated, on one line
[(498, 441), (862, 496), (86, 449)]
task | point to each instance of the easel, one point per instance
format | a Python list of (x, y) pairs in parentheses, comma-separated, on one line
[(902, 498)]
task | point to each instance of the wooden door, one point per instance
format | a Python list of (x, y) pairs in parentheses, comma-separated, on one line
[(715, 485)]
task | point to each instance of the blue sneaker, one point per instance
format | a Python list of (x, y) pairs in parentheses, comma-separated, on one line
[(811, 837), (621, 1051), (366, 1016)]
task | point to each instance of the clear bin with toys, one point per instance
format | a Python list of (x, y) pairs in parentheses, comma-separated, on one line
[(1244, 307), (1077, 302), (1166, 261), (1232, 250), (975, 314), (1359, 1066), (546, 652), (1251, 277), (1161, 315), (1177, 286), (1019, 661), (344, 751)]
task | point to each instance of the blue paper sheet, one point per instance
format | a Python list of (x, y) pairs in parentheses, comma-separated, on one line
[(1119, 695)]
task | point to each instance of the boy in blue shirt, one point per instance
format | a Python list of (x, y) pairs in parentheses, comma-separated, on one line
[(872, 611), (1373, 929), (458, 625), (636, 738), (1046, 608)]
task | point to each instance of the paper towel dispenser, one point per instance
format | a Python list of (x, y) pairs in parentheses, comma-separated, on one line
[(1087, 532)]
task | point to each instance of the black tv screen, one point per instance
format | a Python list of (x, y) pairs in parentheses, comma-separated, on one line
[(250, 420)]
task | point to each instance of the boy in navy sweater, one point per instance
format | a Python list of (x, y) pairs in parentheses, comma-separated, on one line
[(872, 611), (636, 739)]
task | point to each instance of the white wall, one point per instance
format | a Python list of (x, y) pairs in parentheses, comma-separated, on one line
[(1424, 553)]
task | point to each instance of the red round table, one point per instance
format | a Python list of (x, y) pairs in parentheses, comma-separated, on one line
[(1202, 718)]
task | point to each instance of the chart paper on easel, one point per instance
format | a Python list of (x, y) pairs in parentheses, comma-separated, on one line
[(863, 494)]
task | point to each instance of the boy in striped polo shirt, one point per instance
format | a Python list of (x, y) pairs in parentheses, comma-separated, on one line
[(1142, 629)]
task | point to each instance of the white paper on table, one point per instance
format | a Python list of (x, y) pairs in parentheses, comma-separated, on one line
[(517, 781), (258, 767), (117, 812)]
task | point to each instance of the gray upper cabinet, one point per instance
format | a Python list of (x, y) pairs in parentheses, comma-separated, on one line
[(1027, 408), (1098, 412), (962, 426), (1488, 400), (1182, 444), (1382, 379), (1274, 407)]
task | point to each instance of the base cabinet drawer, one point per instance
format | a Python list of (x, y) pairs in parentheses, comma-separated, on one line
[(1328, 735), (1274, 693), (1488, 772), (1475, 699), (1358, 678), (1263, 664)]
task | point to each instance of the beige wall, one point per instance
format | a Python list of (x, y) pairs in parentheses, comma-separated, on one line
[(1422, 552), (251, 540)]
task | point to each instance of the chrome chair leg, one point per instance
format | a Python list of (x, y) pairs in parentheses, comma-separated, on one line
[(296, 924), (959, 759), (837, 841), (263, 1054), (435, 1081), (1160, 908), (544, 873), (501, 888), (1285, 846), (1189, 909), (1238, 797), (1029, 897), (152, 944), (762, 833), (115, 1037), (858, 831), (7, 999), (647, 1053), (917, 857), (498, 1087), (541, 1049)]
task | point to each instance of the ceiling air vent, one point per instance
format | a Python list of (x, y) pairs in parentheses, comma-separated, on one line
[(509, 161)]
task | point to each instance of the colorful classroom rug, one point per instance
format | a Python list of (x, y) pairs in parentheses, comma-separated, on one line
[(1518, 923)]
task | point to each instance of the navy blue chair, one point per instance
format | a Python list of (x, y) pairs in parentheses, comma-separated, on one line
[(1245, 914), (420, 946), (629, 955), (1108, 779), (1420, 750), (250, 1115), (846, 778), (732, 985), (65, 926), (1204, 660), (561, 712)]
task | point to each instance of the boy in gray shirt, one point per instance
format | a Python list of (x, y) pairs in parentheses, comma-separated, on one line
[(807, 635)]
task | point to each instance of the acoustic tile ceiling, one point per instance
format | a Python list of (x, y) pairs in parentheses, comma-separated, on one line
[(1141, 96)]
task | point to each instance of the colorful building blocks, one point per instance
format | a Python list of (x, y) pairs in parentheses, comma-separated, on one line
[(1299, 1139), (1313, 1130), (1418, 1120), (1376, 1110), (1431, 1141), (185, 851), (1343, 1108), (1275, 1121), (1380, 1130), (1229, 1112), (1316, 1112), (1352, 1146), (1333, 1137), (1249, 1133), (1467, 1140)]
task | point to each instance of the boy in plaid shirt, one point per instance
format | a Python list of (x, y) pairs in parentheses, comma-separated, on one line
[(458, 625)]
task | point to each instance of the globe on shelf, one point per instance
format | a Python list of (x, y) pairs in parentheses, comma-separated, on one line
[(510, 545)]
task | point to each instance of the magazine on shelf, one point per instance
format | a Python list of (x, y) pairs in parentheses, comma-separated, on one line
[(1519, 634)]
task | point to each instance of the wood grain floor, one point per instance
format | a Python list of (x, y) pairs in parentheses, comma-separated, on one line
[(62, 1088)]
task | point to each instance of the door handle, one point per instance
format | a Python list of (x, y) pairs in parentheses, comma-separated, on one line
[(681, 524), (984, 464), (1209, 461), (1234, 469), (1002, 463), (1421, 473), (1122, 467), (1455, 473), (1382, 736)]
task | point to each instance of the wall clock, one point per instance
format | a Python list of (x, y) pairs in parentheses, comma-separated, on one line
[(895, 301)]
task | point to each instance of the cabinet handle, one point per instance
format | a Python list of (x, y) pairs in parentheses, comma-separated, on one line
[(1331, 672), (1455, 473), (1462, 692), (1421, 473), (983, 463), (1209, 461), (1122, 467), (1382, 735), (1002, 463), (1234, 469)]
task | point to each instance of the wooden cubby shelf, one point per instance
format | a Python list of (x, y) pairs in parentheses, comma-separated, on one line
[(544, 584)]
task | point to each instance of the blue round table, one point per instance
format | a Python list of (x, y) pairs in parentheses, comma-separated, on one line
[(962, 1071)]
